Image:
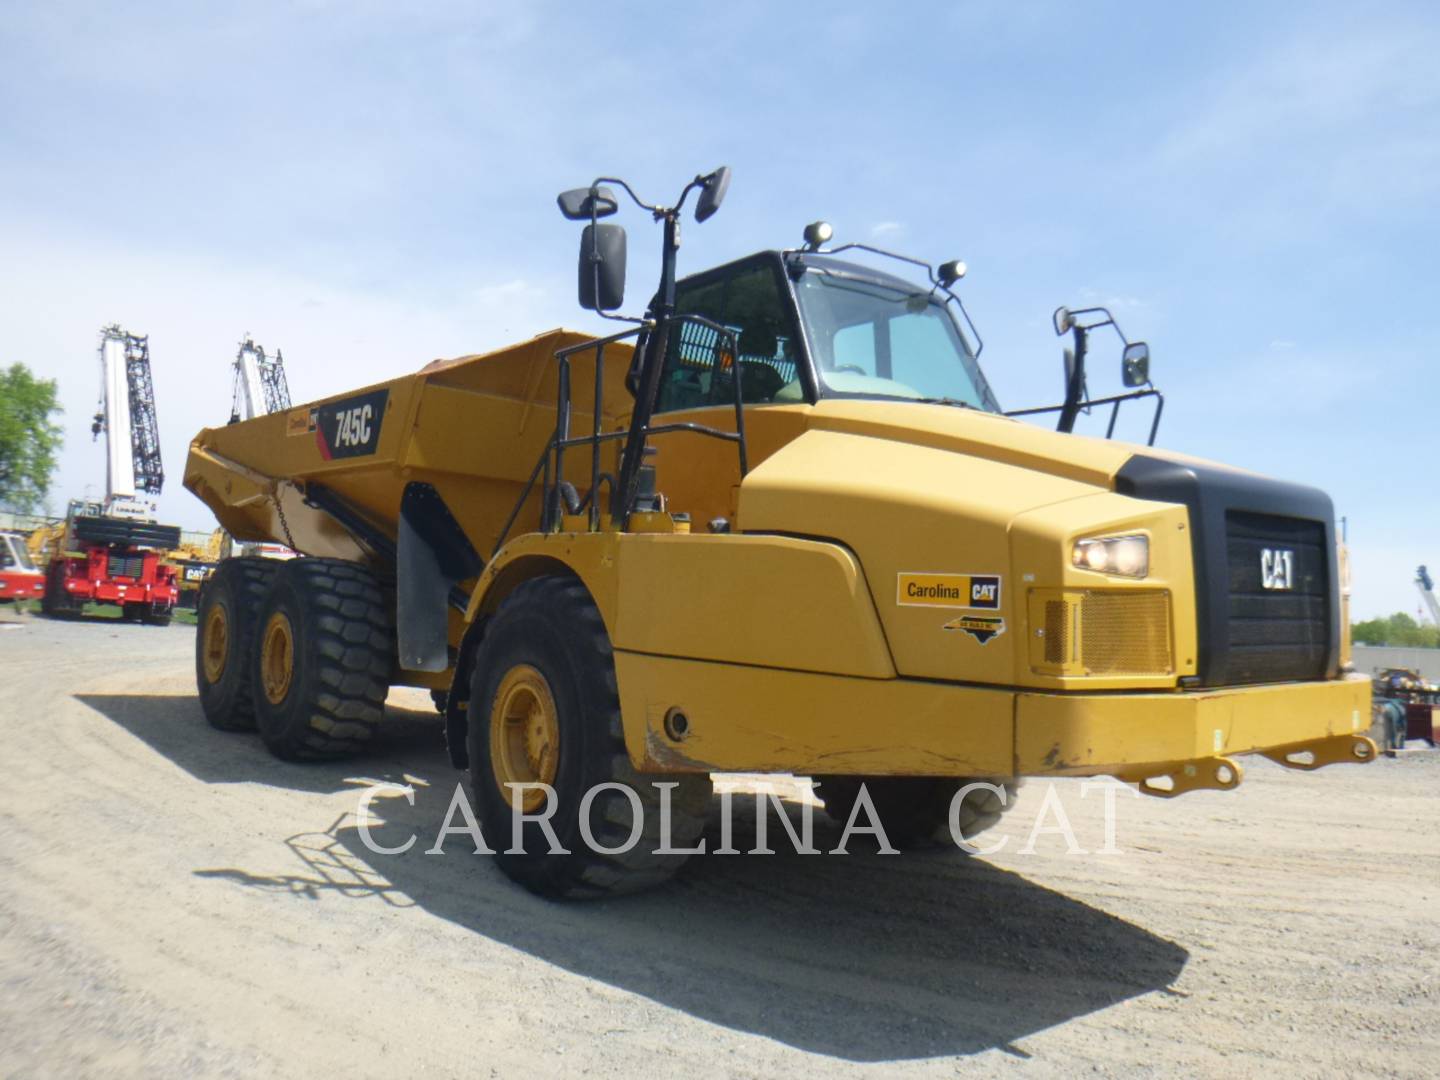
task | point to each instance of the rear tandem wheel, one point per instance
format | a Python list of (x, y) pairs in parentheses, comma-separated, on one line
[(323, 660), (226, 618)]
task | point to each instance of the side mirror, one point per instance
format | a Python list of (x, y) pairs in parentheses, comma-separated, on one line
[(712, 193), (602, 267), (1135, 364), (576, 205), (1062, 320)]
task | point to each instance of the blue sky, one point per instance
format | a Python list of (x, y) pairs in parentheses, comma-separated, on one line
[(1253, 188)]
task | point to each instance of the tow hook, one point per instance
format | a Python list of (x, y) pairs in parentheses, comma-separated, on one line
[(1332, 750), (1215, 773)]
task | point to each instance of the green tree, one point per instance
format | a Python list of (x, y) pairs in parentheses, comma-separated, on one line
[(1397, 629), (29, 439)]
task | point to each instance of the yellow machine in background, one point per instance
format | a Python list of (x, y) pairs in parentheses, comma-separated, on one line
[(195, 560), (44, 540), (781, 525)]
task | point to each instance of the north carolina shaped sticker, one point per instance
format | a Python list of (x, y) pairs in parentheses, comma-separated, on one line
[(983, 628)]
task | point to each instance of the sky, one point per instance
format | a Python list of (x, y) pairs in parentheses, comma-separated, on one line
[(1253, 189)]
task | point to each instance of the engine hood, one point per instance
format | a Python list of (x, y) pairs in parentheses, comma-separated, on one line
[(1000, 439), (922, 493)]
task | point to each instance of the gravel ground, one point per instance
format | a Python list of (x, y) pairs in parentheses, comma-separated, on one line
[(174, 901)]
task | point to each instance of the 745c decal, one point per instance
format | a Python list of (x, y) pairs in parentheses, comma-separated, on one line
[(350, 427)]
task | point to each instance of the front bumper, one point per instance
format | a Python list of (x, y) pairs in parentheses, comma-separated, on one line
[(112, 592), (752, 719), (22, 588), (1174, 742)]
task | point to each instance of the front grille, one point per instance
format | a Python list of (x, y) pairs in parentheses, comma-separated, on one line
[(1247, 633), (1126, 633), (131, 566), (1276, 634), (1057, 631), (1103, 632)]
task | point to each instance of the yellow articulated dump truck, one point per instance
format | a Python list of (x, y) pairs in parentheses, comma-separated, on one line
[(778, 524)]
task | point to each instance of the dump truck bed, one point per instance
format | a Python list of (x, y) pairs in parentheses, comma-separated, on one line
[(473, 427)]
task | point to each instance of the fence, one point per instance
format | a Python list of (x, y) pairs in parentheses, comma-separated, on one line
[(1369, 658)]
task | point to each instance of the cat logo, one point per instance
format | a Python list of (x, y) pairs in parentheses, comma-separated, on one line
[(1277, 568), (983, 628)]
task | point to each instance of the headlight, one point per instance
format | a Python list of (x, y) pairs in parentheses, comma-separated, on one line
[(1126, 556)]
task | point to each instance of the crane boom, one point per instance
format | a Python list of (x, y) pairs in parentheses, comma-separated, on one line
[(1427, 592), (127, 417), (260, 385)]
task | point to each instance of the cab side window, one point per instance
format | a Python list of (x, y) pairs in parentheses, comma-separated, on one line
[(699, 373)]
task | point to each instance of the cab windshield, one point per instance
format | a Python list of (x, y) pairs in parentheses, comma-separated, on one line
[(14, 554), (875, 339)]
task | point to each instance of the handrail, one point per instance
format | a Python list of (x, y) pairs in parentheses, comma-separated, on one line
[(1114, 402), (549, 469)]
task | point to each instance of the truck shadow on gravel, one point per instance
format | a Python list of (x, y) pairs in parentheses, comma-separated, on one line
[(863, 957), (174, 726)]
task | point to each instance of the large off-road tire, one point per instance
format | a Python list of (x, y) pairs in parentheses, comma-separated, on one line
[(914, 811), (324, 657), (57, 603), (225, 625), (544, 707)]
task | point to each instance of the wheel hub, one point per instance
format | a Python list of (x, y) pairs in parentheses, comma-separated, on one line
[(215, 642), (524, 734), (277, 657)]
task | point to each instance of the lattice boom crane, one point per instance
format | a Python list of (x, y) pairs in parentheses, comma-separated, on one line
[(260, 386), (127, 418)]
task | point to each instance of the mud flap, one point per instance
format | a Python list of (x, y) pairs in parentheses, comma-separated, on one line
[(433, 555)]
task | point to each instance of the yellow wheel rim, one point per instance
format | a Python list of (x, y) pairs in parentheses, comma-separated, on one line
[(524, 734), (277, 657), (214, 642)]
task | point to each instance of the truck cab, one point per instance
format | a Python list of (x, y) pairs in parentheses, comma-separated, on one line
[(19, 578), (813, 326)]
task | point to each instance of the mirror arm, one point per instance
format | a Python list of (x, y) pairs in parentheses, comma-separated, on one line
[(595, 255), (1071, 409), (698, 182), (642, 204), (633, 455)]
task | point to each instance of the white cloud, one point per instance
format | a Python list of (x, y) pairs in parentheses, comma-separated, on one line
[(1114, 301), (886, 228)]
